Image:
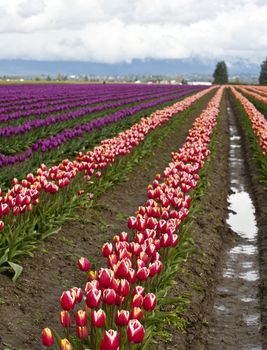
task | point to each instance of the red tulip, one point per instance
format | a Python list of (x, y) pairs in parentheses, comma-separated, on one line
[(122, 269), (105, 277), (78, 294), (149, 302), (107, 249), (139, 290), (65, 319), (122, 317), (124, 288), (91, 285), (131, 276), (84, 264), (124, 236), (81, 318), (82, 332), (67, 300), (110, 341), (137, 300), (142, 273), (93, 298), (132, 222), (98, 318), (135, 332), (47, 337), (109, 296)]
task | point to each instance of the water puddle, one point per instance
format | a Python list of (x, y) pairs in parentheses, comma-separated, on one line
[(236, 321)]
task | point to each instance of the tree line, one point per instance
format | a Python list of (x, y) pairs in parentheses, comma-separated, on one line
[(220, 75)]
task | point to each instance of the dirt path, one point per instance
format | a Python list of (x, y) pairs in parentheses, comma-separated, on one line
[(235, 320)]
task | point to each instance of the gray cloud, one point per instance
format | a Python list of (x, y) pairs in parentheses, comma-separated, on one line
[(121, 30)]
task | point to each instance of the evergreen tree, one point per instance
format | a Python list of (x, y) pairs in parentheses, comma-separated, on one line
[(220, 74), (263, 73)]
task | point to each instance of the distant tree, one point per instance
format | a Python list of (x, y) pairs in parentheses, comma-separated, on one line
[(263, 73), (220, 74), (86, 78), (184, 82), (48, 78)]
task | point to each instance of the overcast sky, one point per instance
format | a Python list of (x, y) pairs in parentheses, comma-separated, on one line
[(113, 31)]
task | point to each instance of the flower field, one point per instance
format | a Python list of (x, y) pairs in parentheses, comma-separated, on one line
[(65, 146)]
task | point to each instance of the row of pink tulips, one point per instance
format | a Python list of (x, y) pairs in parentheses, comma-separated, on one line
[(255, 94), (258, 121), (107, 313), (25, 194)]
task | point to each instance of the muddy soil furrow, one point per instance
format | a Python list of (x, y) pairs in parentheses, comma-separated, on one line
[(33, 302), (235, 318)]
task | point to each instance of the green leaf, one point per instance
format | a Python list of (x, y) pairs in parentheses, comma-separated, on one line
[(4, 258), (17, 269)]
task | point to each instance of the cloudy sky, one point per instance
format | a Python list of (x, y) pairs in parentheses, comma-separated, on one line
[(113, 31)]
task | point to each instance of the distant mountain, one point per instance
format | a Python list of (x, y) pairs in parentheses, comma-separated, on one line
[(136, 67)]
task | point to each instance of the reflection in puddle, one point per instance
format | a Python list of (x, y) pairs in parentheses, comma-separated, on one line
[(243, 222), (252, 320), (220, 307), (250, 275), (248, 300), (248, 249)]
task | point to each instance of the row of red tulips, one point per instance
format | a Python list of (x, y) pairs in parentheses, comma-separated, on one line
[(107, 314), (17, 206), (258, 121)]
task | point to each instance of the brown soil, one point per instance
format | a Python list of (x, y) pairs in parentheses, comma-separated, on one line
[(33, 302)]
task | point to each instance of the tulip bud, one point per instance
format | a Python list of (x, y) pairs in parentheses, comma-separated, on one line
[(122, 269), (124, 236), (98, 318), (109, 296), (107, 249), (105, 277), (124, 288), (65, 344), (84, 264), (136, 313), (65, 319), (142, 273), (122, 317), (149, 302), (131, 276), (139, 290), (93, 298), (92, 275), (67, 300), (135, 332), (132, 222), (47, 337), (82, 332), (81, 318), (92, 284), (110, 341), (78, 294), (137, 300)]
